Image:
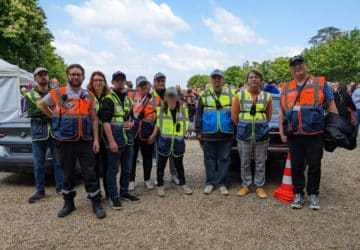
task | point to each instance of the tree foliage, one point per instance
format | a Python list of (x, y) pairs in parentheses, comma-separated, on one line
[(325, 35), (198, 81), (25, 40)]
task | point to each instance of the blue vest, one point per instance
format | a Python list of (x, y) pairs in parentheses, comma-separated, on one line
[(217, 111)]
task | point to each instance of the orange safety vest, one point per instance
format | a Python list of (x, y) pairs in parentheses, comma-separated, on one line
[(307, 114), (71, 121)]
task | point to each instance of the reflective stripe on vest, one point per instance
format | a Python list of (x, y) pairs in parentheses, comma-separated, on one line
[(40, 131), (170, 140), (253, 127), (214, 120), (71, 121), (307, 114)]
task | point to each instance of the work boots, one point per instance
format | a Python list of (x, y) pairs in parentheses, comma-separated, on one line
[(97, 207), (69, 205)]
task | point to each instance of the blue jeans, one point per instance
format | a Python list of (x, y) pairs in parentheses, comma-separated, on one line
[(39, 153), (217, 153), (124, 158)]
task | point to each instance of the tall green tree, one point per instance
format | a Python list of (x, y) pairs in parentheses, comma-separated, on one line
[(25, 40), (325, 35), (198, 80), (234, 75)]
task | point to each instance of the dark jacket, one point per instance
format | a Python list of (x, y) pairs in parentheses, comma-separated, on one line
[(343, 102)]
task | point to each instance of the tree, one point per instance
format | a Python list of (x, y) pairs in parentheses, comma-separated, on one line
[(324, 35), (280, 69), (234, 75), (25, 40), (198, 80)]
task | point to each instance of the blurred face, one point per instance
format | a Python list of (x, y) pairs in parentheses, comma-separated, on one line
[(171, 99), (75, 77), (98, 83), (119, 83), (254, 80), (298, 69), (144, 88), (23, 90), (42, 78), (159, 83), (54, 83), (217, 81)]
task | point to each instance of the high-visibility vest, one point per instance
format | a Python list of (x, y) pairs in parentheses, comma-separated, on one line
[(253, 128), (131, 93), (121, 110), (157, 99), (217, 120), (144, 109), (40, 130), (71, 121), (170, 140), (306, 115)]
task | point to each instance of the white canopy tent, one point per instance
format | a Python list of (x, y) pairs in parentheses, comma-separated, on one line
[(11, 78)]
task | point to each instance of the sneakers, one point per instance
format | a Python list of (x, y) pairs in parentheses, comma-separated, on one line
[(223, 190), (261, 193), (131, 185), (148, 185), (243, 191), (129, 197), (313, 202), (298, 201), (161, 191), (175, 179), (37, 196), (187, 190), (208, 189), (116, 204)]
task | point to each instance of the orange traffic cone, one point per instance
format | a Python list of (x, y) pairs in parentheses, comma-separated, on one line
[(285, 192)]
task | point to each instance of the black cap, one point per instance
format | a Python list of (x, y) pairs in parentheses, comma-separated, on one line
[(296, 58), (117, 74)]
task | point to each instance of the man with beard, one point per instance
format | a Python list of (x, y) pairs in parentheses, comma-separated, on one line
[(76, 127), (41, 136)]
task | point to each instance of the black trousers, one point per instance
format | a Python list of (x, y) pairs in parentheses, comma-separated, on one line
[(306, 150), (82, 150), (146, 152), (161, 164), (101, 163)]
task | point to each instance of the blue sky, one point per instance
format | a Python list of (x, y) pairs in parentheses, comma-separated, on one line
[(182, 38)]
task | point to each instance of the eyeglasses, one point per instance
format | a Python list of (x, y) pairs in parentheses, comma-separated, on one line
[(254, 77), (75, 75), (98, 80)]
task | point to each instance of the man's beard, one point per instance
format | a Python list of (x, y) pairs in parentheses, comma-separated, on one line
[(75, 84), (43, 84)]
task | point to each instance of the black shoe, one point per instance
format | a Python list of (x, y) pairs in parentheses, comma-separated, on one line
[(58, 191), (129, 197), (98, 209), (116, 204), (69, 207), (37, 196)]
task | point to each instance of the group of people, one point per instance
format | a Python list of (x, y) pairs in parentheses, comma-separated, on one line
[(104, 128)]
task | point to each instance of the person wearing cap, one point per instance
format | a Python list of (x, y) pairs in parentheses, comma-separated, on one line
[(301, 123), (158, 99), (117, 118), (251, 111), (99, 88), (75, 126), (171, 125), (214, 127), (144, 110), (41, 136)]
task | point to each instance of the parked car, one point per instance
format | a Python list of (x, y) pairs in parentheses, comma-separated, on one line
[(15, 147)]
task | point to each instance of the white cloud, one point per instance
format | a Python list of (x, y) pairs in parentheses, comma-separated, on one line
[(118, 39), (229, 29), (277, 51), (69, 36), (143, 17)]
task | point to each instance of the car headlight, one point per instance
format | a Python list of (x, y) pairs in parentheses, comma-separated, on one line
[(3, 152)]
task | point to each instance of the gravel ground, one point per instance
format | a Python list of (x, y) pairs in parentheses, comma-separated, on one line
[(189, 222)]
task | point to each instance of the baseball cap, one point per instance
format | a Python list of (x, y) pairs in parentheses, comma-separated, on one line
[(141, 79), (296, 58), (118, 74), (39, 69), (217, 72), (171, 91), (159, 74)]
